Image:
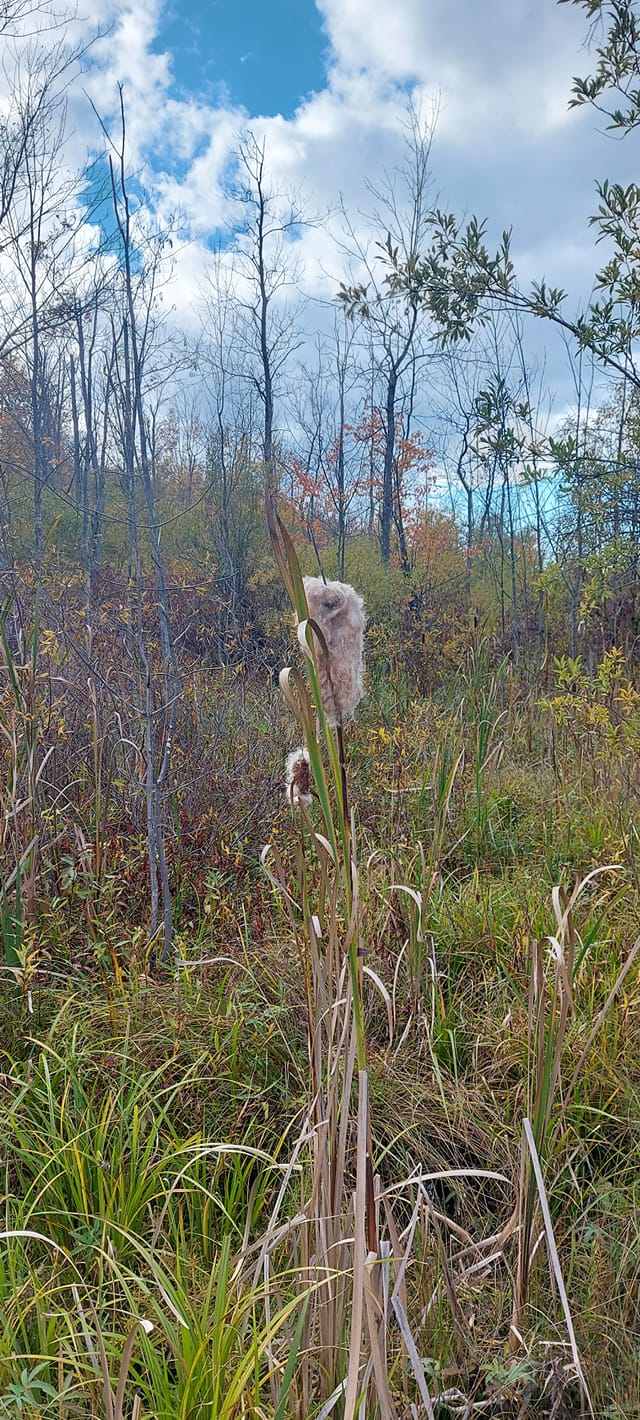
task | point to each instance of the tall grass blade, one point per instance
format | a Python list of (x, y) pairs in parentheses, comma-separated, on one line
[(555, 1260)]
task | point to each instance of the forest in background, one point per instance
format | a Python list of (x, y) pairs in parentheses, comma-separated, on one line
[(226, 1066)]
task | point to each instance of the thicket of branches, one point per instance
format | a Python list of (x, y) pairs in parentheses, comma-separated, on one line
[(409, 415), (407, 434)]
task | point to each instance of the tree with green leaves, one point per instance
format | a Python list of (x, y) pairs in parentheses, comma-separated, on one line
[(461, 282), (615, 32)]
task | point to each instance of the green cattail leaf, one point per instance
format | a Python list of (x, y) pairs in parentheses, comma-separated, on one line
[(274, 537), (298, 594), (291, 1363), (17, 693), (11, 928)]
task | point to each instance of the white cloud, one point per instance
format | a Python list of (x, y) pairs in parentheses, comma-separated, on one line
[(504, 61), (124, 55), (506, 144), (197, 190), (390, 39)]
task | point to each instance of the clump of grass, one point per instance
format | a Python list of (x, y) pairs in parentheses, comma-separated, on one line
[(298, 1155), (358, 1323)]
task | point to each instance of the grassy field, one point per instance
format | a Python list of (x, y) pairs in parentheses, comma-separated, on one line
[(370, 1145)]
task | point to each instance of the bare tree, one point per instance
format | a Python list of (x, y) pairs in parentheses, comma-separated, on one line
[(37, 77), (328, 460), (140, 259), (232, 417), (395, 324), (266, 271), (91, 368), (41, 213)]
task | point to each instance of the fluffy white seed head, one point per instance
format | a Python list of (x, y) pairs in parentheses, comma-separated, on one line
[(340, 614), (298, 779)]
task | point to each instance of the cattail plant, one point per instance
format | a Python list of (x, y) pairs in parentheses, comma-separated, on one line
[(348, 1247), (342, 1237)]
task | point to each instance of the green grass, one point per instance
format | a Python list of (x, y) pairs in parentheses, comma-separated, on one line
[(160, 1146)]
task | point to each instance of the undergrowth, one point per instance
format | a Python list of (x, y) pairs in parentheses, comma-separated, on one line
[(183, 1156)]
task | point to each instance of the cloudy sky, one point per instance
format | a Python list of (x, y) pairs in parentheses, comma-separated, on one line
[(326, 83)]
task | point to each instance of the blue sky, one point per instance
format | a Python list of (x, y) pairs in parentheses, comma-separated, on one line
[(264, 55)]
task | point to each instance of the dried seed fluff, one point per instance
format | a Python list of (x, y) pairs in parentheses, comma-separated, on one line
[(340, 614)]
